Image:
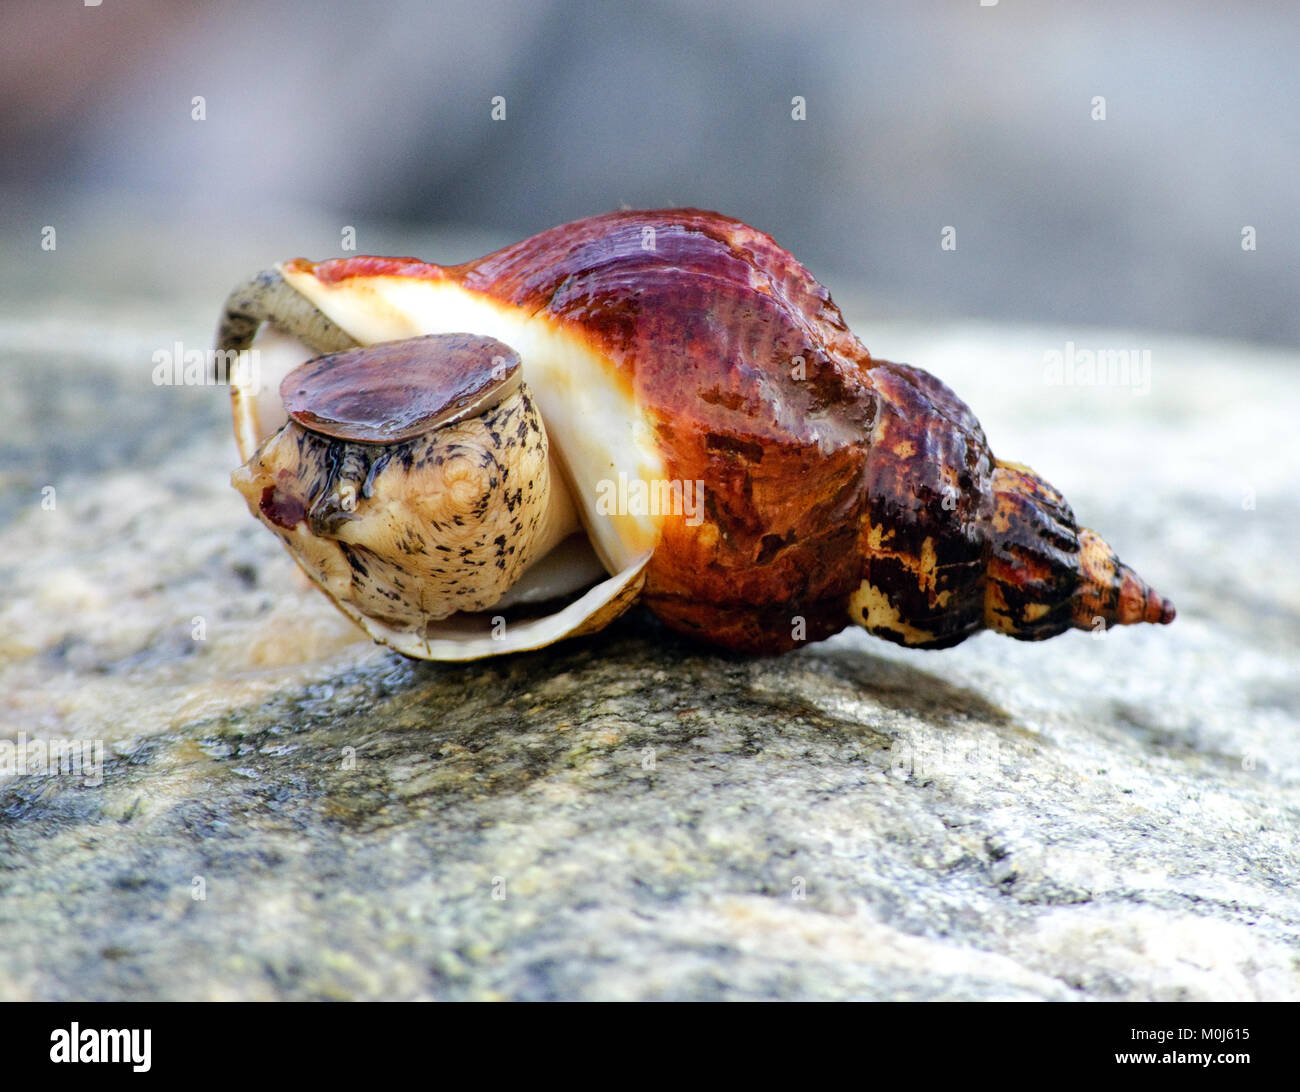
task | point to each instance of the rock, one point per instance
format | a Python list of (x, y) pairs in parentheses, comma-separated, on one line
[(286, 811)]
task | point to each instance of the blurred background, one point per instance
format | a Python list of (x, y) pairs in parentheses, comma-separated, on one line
[(184, 144)]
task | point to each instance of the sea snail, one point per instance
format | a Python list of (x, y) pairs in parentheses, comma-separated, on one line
[(660, 406)]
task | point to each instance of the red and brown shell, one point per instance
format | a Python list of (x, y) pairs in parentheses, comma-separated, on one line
[(837, 488)]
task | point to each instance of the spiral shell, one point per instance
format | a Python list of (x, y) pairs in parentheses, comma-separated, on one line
[(675, 347)]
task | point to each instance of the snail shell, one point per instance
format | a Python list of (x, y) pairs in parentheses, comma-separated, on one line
[(771, 481)]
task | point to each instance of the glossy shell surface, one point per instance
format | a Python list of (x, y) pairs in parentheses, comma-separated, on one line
[(679, 353)]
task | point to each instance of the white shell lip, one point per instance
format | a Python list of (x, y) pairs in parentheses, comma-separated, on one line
[(478, 636), (593, 426), (255, 387)]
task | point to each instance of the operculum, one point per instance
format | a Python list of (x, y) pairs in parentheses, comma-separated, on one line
[(593, 423)]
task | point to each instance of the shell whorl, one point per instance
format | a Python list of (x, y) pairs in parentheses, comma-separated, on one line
[(847, 487), (958, 541), (1046, 574), (836, 487)]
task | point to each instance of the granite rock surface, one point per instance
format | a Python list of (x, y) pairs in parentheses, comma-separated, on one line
[(284, 810)]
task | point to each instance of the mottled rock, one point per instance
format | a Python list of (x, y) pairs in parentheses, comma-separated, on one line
[(287, 811)]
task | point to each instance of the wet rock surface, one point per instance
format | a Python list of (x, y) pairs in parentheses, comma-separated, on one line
[(286, 811)]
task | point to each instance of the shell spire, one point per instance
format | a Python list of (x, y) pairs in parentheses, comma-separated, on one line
[(1109, 590), (1046, 575)]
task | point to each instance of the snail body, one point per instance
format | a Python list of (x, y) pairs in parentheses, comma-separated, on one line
[(707, 437)]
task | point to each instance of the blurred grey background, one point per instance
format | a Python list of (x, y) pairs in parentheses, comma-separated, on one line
[(329, 114)]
